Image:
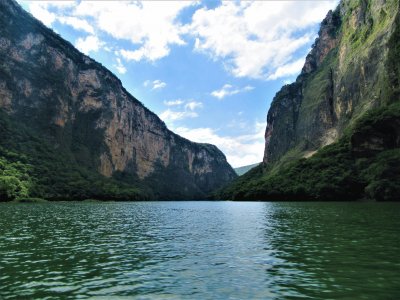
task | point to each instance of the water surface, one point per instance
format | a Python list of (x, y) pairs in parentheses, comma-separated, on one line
[(200, 250)]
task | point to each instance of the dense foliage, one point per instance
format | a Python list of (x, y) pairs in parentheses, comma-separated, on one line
[(336, 172), (393, 61), (68, 119), (31, 166), (365, 162)]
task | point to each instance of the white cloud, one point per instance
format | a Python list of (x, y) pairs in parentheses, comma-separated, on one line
[(187, 111), (229, 90), (136, 55), (288, 81), (39, 11), (240, 150), (255, 38), (150, 26), (155, 84), (193, 105), (174, 102), (158, 84), (77, 24), (120, 67), (189, 104), (88, 44), (289, 69), (169, 116), (108, 49)]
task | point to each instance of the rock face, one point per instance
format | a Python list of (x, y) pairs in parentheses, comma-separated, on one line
[(334, 134), (348, 71), (384, 134), (77, 103)]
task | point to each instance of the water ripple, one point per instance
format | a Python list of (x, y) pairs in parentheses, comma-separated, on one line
[(199, 250)]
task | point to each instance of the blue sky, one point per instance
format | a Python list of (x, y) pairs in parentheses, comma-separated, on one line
[(209, 69)]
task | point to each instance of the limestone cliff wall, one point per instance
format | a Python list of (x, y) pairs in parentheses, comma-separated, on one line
[(78, 103), (344, 75)]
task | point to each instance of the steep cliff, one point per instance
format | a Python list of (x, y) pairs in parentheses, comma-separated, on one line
[(79, 107), (352, 69), (344, 75)]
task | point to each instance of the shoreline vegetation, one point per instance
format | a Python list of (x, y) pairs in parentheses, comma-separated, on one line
[(363, 165), (45, 162), (29, 200), (347, 170), (76, 133), (343, 171)]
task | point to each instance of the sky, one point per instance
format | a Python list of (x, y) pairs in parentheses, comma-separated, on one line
[(208, 69)]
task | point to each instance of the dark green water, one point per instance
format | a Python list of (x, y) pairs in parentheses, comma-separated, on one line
[(200, 250)]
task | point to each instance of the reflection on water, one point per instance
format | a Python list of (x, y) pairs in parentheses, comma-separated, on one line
[(200, 250)]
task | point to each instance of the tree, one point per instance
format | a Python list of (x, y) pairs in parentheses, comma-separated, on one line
[(12, 188)]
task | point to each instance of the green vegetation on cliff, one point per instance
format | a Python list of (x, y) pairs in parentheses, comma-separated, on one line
[(347, 97), (71, 131), (35, 165), (30, 166), (243, 170), (393, 62), (363, 164)]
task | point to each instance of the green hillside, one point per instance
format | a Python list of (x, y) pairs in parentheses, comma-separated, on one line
[(242, 170)]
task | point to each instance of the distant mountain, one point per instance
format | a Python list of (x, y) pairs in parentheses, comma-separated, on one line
[(70, 130), (242, 170), (334, 134)]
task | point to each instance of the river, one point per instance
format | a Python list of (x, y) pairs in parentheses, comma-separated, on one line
[(200, 250)]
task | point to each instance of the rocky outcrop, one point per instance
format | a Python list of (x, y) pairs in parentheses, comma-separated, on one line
[(325, 42), (344, 75), (282, 122), (78, 104), (381, 135), (334, 134)]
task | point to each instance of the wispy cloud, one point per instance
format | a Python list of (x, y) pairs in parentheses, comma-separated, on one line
[(77, 24), (89, 44), (155, 84), (239, 150), (183, 109), (170, 115), (158, 84), (41, 12), (120, 67), (193, 105), (254, 38), (150, 26), (286, 70), (229, 90), (174, 102)]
